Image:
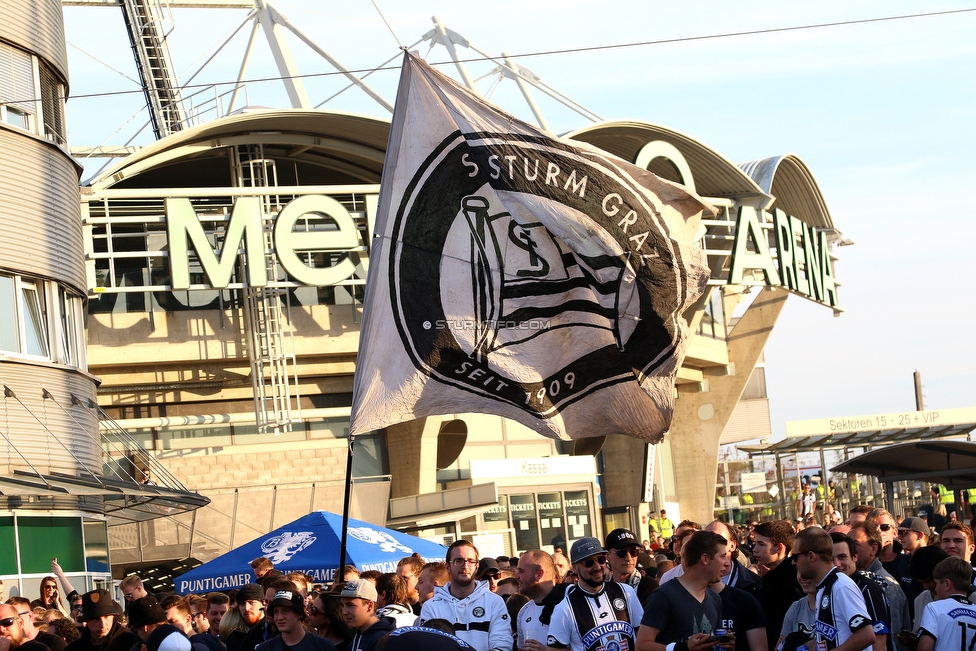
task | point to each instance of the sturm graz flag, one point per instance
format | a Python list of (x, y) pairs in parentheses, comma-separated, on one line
[(518, 274)]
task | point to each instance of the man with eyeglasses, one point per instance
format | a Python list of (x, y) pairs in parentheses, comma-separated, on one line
[(891, 556), (31, 632), (12, 628), (843, 623), (596, 614), (479, 616), (867, 538), (198, 614), (489, 572), (622, 551), (132, 589)]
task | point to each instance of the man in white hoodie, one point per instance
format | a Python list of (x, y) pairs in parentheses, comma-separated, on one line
[(479, 616)]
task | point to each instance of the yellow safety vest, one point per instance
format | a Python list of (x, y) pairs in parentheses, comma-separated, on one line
[(946, 496)]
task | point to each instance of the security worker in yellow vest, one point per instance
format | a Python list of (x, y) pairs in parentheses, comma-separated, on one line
[(947, 498)]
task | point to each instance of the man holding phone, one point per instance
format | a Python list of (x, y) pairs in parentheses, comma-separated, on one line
[(683, 614)]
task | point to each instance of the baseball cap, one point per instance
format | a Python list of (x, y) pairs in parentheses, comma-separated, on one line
[(288, 599), (924, 560), (410, 638), (145, 611), (360, 588), (584, 548), (250, 592), (167, 638), (620, 538), (486, 565), (914, 524)]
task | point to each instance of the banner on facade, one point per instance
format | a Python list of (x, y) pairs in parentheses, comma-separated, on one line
[(522, 275)]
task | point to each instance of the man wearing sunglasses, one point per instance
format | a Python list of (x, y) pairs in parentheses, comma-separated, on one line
[(31, 632), (12, 628), (622, 551), (867, 538), (479, 616), (843, 623), (596, 614)]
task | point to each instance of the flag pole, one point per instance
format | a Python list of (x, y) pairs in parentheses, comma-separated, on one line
[(345, 512)]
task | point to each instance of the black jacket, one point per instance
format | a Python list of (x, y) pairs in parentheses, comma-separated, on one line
[(780, 590), (118, 639), (368, 639)]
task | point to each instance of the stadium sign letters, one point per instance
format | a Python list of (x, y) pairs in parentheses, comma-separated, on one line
[(245, 226), (802, 265), (802, 262)]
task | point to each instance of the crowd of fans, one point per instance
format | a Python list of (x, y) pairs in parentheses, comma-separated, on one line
[(869, 583)]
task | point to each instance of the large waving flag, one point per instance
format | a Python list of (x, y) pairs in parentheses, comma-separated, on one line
[(518, 274)]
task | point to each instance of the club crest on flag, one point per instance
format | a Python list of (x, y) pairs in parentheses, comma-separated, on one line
[(522, 275)]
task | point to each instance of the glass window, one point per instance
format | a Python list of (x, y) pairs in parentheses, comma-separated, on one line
[(524, 520), (9, 335), (370, 456), (18, 118), (329, 428), (16, 85), (72, 342), (8, 542), (551, 523), (96, 546), (497, 517), (246, 433), (196, 436), (578, 514), (42, 539), (34, 315)]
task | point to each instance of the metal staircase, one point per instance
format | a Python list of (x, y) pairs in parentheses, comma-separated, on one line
[(144, 23), (269, 340)]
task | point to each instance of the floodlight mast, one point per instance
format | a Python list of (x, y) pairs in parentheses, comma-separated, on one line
[(167, 113)]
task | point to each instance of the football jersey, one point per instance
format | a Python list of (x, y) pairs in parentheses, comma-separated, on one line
[(951, 622)]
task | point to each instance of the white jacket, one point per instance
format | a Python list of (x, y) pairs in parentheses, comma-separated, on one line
[(399, 613), (480, 619)]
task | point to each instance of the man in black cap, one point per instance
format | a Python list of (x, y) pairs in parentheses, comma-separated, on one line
[(100, 629), (596, 613), (913, 534), (250, 603), (411, 638), (288, 610), (145, 615), (489, 571), (624, 549)]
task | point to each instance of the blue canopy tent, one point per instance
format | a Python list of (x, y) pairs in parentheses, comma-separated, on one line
[(310, 544)]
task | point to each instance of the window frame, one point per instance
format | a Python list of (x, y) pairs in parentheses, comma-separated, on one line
[(60, 314)]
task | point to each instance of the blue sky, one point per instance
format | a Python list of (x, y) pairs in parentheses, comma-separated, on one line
[(882, 113)]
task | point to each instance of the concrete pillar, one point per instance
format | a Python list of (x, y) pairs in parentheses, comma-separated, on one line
[(623, 481), (701, 416), (412, 452)]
